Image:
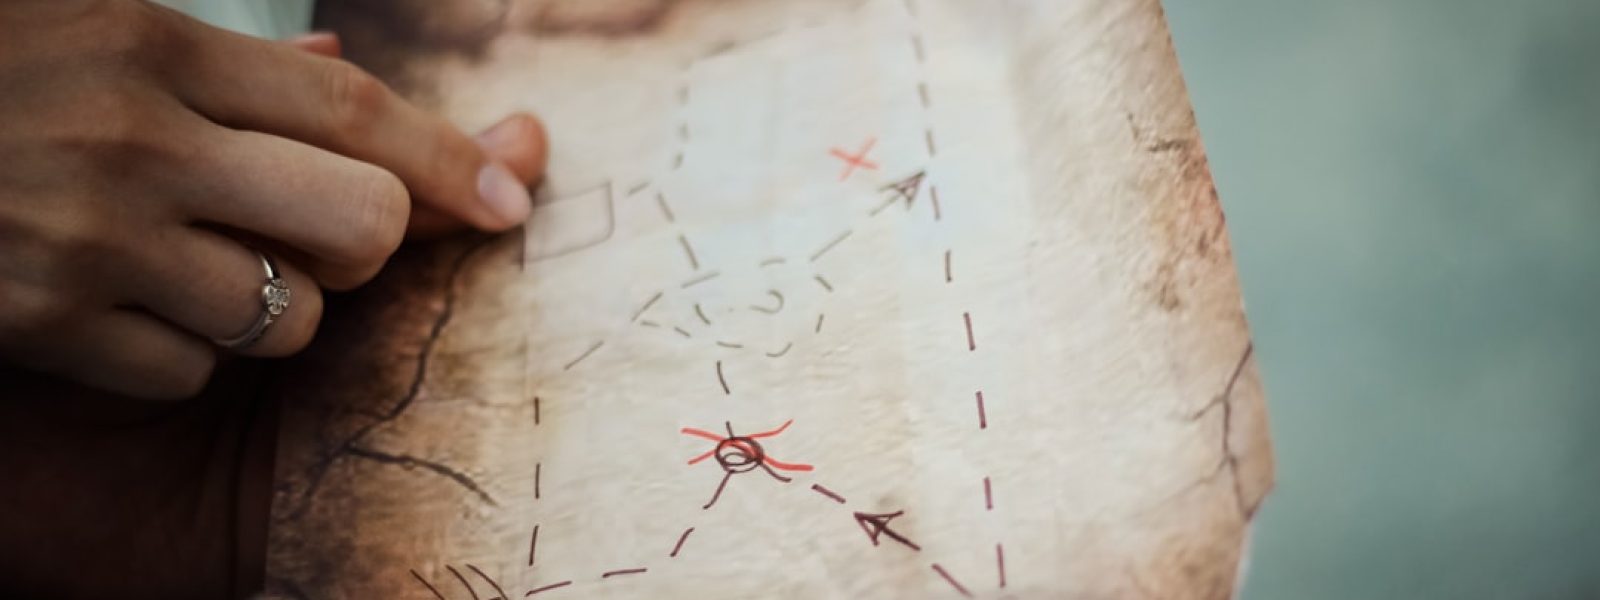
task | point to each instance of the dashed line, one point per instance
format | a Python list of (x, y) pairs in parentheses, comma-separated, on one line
[(953, 583), (535, 410), (776, 260), (637, 187), (983, 418), (661, 201), (927, 135), (782, 352), (819, 323), (585, 354), (922, 91), (679, 546), (827, 492), (649, 303), (830, 245), (623, 572), (934, 193), (723, 380), (972, 344), (463, 579), (730, 345), (683, 332), (911, 8), (649, 323), (699, 312), (916, 47), (533, 544), (882, 207), (683, 132), (547, 588), (824, 283), (425, 583), (988, 495), (677, 161), (538, 472), (500, 592), (1000, 562), (947, 276), (776, 295), (699, 280), (694, 263)]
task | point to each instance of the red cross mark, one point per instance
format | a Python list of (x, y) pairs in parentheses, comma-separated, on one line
[(859, 159)]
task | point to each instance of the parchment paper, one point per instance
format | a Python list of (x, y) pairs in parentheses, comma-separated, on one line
[(820, 299)]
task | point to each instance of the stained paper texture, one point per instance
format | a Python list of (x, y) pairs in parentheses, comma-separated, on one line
[(820, 299)]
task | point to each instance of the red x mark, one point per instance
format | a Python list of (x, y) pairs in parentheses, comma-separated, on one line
[(859, 159)]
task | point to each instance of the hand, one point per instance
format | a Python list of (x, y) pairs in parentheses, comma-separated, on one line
[(148, 156)]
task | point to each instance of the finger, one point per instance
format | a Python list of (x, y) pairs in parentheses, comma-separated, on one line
[(247, 83), (517, 141), (133, 353), (347, 215), (211, 285), (320, 43)]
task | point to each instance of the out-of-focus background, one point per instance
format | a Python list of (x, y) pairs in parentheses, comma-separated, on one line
[(1413, 192)]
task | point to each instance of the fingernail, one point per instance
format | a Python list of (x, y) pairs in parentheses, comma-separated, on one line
[(504, 194)]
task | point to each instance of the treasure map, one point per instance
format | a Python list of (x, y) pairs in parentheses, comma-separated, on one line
[(819, 299)]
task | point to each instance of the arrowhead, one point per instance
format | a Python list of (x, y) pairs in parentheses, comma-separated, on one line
[(878, 524), (907, 188)]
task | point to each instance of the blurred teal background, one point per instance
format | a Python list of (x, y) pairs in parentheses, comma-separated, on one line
[(1413, 191)]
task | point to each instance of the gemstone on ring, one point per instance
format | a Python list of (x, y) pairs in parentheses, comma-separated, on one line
[(275, 296)]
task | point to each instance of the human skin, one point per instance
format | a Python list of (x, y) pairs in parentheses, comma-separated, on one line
[(147, 154)]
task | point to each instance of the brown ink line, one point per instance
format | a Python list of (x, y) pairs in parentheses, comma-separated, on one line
[(677, 161), (882, 207), (694, 263), (722, 380), (683, 94), (922, 91), (827, 492), (782, 352), (776, 295), (819, 323), (649, 323), (830, 245), (1000, 561), (623, 572), (585, 354), (681, 539), (683, 332), (953, 583), (535, 410), (824, 283), (661, 201), (776, 260), (916, 46), (491, 582), (927, 134), (538, 472), (947, 276), (911, 8), (699, 280), (720, 486), (533, 544), (972, 343), (683, 131), (547, 588), (983, 418), (988, 495), (637, 187), (463, 579), (934, 192), (649, 303), (425, 583), (699, 312), (729, 345)]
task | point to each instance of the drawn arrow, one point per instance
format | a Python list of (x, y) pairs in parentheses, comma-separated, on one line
[(907, 188), (875, 525)]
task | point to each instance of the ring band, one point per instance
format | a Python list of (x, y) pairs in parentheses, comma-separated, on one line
[(274, 301)]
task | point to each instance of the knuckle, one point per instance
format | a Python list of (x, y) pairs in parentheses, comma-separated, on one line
[(355, 99), (142, 35), (378, 210), (30, 312)]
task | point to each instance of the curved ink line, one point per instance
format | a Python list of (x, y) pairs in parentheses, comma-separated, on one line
[(766, 434), (770, 311), (786, 466), (782, 352)]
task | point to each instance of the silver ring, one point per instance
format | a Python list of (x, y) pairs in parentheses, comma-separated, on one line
[(274, 301)]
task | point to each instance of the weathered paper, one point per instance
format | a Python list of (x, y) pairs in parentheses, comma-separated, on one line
[(821, 299)]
